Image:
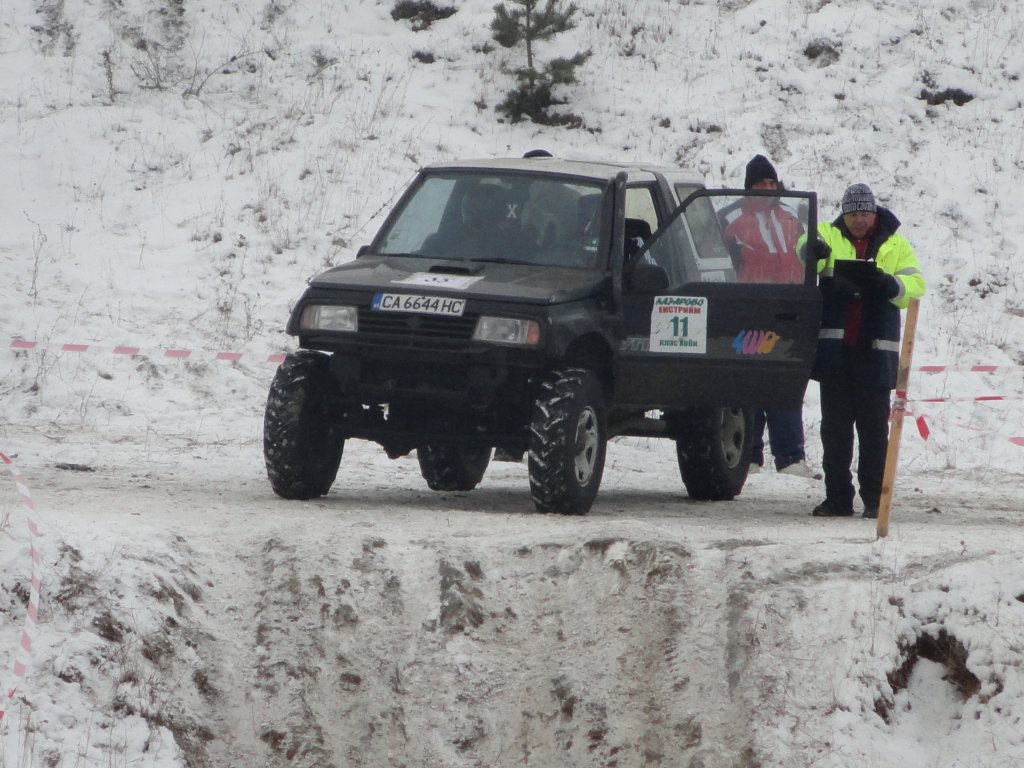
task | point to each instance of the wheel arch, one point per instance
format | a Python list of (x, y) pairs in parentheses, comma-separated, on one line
[(592, 352)]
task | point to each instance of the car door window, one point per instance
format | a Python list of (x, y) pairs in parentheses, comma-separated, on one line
[(746, 238), (763, 234), (640, 205)]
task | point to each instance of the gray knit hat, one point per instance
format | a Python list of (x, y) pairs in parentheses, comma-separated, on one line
[(858, 197)]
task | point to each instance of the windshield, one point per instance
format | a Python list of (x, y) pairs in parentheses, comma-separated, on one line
[(499, 216)]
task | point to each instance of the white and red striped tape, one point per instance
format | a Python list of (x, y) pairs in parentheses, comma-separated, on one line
[(130, 351), (21, 659), (925, 432), (933, 369), (922, 426), (970, 369), (275, 357), (278, 357), (976, 399)]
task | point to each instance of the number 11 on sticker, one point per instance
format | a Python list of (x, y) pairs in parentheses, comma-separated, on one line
[(679, 325)]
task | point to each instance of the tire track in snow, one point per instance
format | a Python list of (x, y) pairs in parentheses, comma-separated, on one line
[(438, 653), (327, 635)]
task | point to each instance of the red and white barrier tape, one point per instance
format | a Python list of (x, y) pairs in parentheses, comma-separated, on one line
[(278, 357), (971, 369), (977, 399), (275, 357), (20, 666), (926, 433), (129, 351)]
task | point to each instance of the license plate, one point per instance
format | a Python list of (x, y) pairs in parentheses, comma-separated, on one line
[(424, 305)]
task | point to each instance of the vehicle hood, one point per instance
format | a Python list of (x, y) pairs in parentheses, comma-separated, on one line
[(466, 279)]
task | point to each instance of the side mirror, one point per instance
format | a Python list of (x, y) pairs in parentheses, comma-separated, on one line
[(647, 278), (363, 250)]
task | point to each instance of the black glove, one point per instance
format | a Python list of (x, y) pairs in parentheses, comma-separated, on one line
[(877, 284), (820, 249)]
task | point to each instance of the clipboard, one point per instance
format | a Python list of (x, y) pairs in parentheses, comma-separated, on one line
[(854, 269)]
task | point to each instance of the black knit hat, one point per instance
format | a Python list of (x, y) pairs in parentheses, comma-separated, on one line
[(759, 169), (858, 197)]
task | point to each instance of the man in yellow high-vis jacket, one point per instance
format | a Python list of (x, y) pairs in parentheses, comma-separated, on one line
[(867, 273)]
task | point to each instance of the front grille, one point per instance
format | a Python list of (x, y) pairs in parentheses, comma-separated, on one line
[(415, 328)]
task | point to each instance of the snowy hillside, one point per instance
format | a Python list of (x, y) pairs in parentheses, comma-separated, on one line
[(174, 170)]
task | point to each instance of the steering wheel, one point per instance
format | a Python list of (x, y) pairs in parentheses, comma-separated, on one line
[(569, 253)]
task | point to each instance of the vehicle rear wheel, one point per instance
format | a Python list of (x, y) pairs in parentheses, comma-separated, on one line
[(568, 440), (302, 443), (453, 467), (714, 451)]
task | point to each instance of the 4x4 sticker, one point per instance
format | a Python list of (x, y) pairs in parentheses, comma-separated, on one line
[(755, 342), (679, 324)]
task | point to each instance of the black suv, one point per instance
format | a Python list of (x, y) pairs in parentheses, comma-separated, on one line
[(541, 306)]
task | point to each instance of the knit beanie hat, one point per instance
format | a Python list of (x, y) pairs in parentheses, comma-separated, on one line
[(858, 197), (759, 169)]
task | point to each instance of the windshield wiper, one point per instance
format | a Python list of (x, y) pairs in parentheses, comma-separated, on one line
[(500, 260), (414, 256)]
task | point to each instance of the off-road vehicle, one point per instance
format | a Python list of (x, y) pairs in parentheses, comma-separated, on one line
[(540, 307)]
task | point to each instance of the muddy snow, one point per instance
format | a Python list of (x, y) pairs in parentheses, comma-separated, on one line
[(385, 624)]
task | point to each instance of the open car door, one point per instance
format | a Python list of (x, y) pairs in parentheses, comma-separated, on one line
[(720, 307)]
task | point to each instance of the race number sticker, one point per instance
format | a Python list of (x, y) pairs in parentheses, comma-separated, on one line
[(438, 280), (679, 324)]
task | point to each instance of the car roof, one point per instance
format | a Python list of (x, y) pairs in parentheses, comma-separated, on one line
[(591, 169)]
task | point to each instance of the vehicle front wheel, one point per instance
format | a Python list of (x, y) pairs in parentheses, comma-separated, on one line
[(302, 443), (714, 451), (453, 467), (568, 440)]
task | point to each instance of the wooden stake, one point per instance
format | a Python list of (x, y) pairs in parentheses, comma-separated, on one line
[(899, 408)]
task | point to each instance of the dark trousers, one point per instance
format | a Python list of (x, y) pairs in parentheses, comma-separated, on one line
[(848, 405), (785, 435)]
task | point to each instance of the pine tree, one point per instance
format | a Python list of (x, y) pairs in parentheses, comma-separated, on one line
[(525, 21)]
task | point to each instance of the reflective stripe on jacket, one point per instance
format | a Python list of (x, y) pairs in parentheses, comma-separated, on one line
[(766, 235)]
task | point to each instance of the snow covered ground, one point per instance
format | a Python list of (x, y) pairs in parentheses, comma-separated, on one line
[(175, 170)]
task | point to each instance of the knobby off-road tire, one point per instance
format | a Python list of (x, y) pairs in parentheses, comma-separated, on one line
[(714, 451), (453, 467), (568, 439), (302, 445)]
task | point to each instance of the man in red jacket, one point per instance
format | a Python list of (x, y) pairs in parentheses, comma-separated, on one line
[(763, 237), (763, 240)]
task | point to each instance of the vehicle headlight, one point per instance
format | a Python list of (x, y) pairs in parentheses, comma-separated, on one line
[(327, 317), (507, 330)]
